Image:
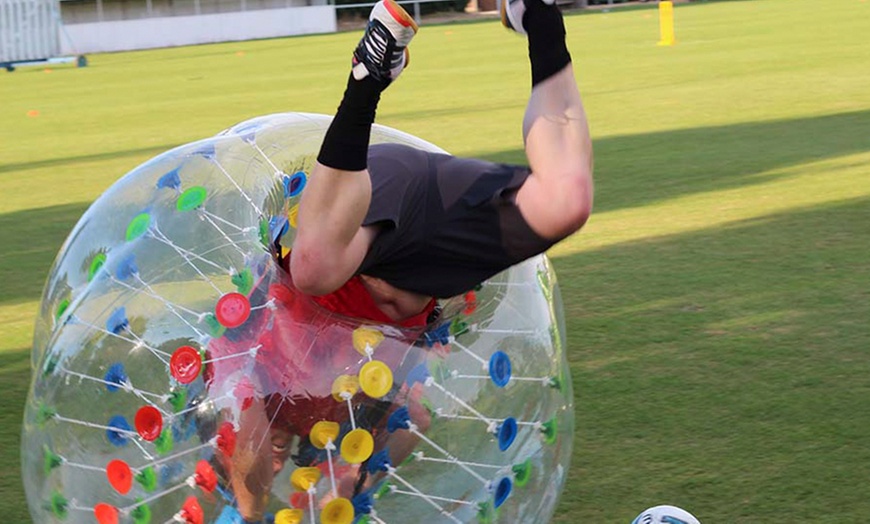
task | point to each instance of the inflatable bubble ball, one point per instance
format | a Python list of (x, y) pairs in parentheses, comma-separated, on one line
[(179, 377)]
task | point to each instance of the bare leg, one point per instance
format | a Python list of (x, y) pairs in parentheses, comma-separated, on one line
[(557, 199), (330, 245)]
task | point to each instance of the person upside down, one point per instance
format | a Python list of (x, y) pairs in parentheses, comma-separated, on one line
[(384, 230)]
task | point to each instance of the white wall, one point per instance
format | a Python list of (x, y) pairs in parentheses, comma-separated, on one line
[(148, 33)]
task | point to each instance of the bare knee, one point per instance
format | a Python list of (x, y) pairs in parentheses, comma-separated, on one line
[(557, 203), (575, 193)]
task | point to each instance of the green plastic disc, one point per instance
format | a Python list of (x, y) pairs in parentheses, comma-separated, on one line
[(244, 281), (59, 505), (216, 330), (522, 473), (191, 198), (178, 399), (97, 264), (164, 444), (264, 233), (51, 459), (549, 429), (458, 327), (50, 365), (138, 226), (486, 514), (44, 414), (147, 478), (141, 514), (61, 308)]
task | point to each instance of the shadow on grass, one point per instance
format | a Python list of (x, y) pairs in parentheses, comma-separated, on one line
[(636, 170), (14, 381), (727, 368), (30, 240), (96, 157)]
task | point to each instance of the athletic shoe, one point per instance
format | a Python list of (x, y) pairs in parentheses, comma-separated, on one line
[(512, 12), (383, 50)]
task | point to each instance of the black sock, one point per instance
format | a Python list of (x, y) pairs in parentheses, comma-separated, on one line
[(346, 144), (547, 50)]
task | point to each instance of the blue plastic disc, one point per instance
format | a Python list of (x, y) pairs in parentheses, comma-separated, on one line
[(399, 420), (380, 461), (117, 321), (117, 432), (500, 368), (170, 180), (294, 184), (420, 373), (502, 491), (115, 376), (507, 433)]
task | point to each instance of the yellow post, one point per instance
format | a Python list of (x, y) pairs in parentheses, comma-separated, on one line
[(666, 23)]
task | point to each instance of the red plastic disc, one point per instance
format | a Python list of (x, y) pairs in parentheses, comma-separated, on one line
[(149, 423), (299, 500), (232, 310), (192, 512), (106, 514), (205, 476), (470, 303), (185, 364), (120, 476), (226, 441)]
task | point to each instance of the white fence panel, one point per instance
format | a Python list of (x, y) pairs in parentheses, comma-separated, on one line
[(29, 29)]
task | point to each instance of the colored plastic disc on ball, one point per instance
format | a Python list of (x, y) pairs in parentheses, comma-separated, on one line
[(138, 226), (304, 478), (502, 491), (120, 476), (375, 379), (323, 433), (226, 439), (118, 431), (522, 473), (289, 516), (106, 514), (344, 385), (294, 184), (185, 364), (192, 512), (149, 423), (337, 511), (147, 478), (357, 446), (232, 310), (366, 338), (191, 199), (205, 476), (500, 368), (507, 433), (96, 264)]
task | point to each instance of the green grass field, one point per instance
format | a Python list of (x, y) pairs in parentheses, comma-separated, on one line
[(718, 302)]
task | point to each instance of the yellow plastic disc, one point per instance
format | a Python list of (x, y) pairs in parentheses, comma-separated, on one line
[(375, 379), (366, 337), (292, 215), (344, 384), (289, 516), (304, 478), (337, 511), (323, 432), (357, 446)]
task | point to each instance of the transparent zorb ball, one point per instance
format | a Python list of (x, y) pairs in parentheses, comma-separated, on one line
[(179, 376)]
